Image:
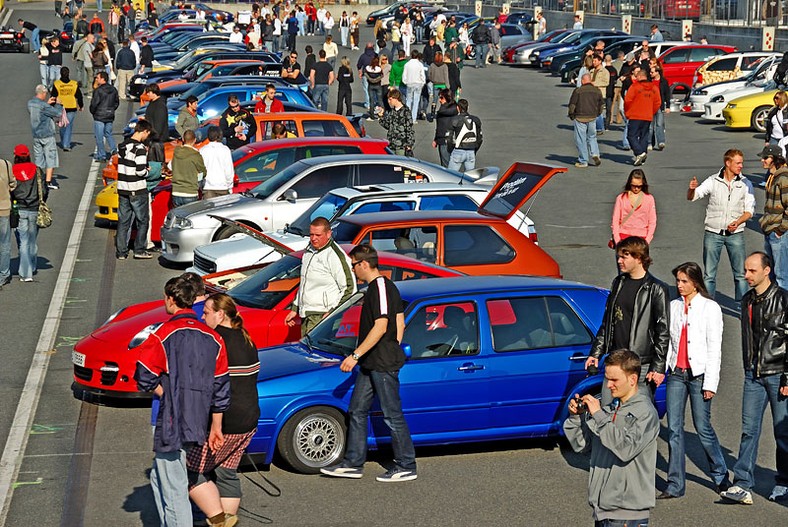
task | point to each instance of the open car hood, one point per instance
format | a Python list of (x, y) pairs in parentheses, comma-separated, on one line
[(254, 233), (520, 183)]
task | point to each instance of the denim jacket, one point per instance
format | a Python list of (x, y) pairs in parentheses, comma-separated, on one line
[(42, 117)]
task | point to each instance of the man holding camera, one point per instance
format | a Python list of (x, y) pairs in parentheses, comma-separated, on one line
[(636, 316), (622, 438)]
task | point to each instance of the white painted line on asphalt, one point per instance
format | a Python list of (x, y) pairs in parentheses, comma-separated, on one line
[(28, 400), (4, 23)]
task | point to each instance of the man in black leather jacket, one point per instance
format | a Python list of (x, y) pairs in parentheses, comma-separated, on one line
[(764, 331), (636, 316), (103, 105)]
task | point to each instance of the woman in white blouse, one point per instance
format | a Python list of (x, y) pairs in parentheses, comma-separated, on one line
[(694, 362)]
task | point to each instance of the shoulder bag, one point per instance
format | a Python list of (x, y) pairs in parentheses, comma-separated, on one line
[(44, 219), (612, 242)]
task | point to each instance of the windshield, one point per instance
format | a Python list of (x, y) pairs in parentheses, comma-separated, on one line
[(568, 38), (196, 90), (275, 182), (268, 287), (169, 37), (344, 232), (184, 61), (338, 332), (327, 207)]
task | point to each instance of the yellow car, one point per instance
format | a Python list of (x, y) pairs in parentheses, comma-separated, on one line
[(107, 203), (749, 111)]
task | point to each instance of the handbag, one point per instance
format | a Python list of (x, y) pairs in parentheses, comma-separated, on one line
[(63, 121), (44, 219), (612, 242)]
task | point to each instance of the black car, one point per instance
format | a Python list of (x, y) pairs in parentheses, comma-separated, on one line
[(392, 9), (559, 59), (571, 68), (13, 40)]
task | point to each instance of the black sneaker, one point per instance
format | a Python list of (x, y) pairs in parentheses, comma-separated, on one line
[(122, 256), (396, 474), (145, 255), (341, 471), (53, 185)]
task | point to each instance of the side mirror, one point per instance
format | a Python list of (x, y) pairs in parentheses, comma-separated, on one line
[(290, 195), (407, 350)]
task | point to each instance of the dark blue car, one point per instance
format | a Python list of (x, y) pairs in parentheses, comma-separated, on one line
[(491, 358)]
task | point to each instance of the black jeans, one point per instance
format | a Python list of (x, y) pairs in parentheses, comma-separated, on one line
[(132, 209), (345, 98)]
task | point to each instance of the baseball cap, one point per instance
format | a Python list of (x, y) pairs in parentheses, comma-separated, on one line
[(21, 151), (771, 150)]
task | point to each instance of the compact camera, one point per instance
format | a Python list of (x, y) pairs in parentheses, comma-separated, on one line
[(581, 406)]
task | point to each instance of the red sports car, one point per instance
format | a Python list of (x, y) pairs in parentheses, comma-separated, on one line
[(105, 360)]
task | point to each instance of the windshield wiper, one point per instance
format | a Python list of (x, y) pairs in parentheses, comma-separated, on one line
[(295, 230), (335, 344), (308, 341)]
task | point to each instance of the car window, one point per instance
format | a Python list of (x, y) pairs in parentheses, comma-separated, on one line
[(321, 181), (381, 173), (263, 166), (264, 128), (474, 245), (449, 202), (677, 56), (535, 323), (749, 63), (723, 65), (443, 330), (307, 152), (385, 206), (701, 54), (415, 242), (328, 128)]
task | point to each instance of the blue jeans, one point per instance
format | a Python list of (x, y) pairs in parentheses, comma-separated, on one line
[(637, 135), (481, 55), (624, 141), (600, 122), (413, 99), (365, 88), (170, 484), (657, 129), (98, 6), (27, 233), (712, 247), (585, 141), (622, 523), (180, 201), (386, 386), (375, 92), (66, 131), (132, 209), (757, 393), (419, 30), (53, 75), (681, 386), (320, 96), (459, 156), (43, 72), (103, 132), (5, 249), (777, 248), (35, 41)]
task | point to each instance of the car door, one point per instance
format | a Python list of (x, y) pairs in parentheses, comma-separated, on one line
[(539, 346), (444, 386)]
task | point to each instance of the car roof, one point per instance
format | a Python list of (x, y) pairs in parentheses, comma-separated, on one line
[(416, 216), (301, 141), (415, 289), (359, 159), (397, 189)]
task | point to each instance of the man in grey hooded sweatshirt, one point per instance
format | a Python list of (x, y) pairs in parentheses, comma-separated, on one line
[(622, 438)]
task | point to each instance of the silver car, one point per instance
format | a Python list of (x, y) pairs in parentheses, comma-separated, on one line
[(287, 194)]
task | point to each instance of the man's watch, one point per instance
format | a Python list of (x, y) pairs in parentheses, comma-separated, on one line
[(355, 356)]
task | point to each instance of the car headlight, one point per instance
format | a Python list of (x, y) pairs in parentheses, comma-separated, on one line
[(698, 91), (182, 223), (731, 106), (535, 53), (718, 98), (140, 81), (113, 316), (140, 337)]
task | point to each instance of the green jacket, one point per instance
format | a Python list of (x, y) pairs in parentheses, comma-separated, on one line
[(187, 169), (451, 33), (395, 76)]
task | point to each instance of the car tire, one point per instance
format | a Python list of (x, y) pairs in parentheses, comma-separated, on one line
[(227, 231), (25, 46), (758, 118), (572, 77), (312, 439)]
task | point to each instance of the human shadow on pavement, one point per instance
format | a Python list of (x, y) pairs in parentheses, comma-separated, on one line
[(141, 500), (569, 160)]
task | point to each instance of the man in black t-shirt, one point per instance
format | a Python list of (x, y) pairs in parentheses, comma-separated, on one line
[(636, 316), (291, 69), (320, 78), (379, 357)]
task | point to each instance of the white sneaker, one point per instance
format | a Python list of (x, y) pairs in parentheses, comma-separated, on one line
[(737, 494), (779, 493)]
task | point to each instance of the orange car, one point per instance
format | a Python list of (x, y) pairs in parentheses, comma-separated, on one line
[(213, 68), (300, 124)]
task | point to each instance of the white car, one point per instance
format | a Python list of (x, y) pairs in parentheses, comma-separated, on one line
[(729, 67), (241, 250), (703, 96), (712, 110)]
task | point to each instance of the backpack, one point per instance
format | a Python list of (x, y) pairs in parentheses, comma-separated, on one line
[(469, 136)]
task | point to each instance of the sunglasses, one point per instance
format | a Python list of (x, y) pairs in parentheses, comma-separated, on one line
[(636, 186), (354, 264)]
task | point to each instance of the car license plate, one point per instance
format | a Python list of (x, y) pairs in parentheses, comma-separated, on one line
[(78, 358)]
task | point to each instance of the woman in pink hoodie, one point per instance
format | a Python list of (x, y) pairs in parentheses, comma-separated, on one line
[(635, 212)]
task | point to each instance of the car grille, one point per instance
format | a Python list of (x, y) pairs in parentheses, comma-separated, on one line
[(204, 264), (84, 374)]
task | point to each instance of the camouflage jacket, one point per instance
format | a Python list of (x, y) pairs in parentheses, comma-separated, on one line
[(400, 128)]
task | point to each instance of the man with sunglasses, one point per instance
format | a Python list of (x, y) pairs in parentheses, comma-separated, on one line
[(291, 69), (238, 125)]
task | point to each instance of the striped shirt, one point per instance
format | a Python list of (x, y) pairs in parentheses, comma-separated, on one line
[(132, 167)]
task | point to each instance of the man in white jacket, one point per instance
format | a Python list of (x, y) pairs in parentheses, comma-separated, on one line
[(218, 160), (414, 78), (326, 278)]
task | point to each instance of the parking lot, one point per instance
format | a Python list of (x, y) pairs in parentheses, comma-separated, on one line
[(71, 476)]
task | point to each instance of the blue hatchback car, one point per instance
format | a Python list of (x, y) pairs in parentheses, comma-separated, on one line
[(490, 358)]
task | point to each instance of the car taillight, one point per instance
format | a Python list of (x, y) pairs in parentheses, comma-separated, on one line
[(236, 180), (534, 237), (64, 35), (363, 131)]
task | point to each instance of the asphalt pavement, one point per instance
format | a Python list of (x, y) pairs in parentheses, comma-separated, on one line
[(87, 465)]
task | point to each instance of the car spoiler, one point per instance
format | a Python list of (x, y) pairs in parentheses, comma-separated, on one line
[(254, 233)]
